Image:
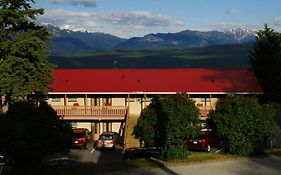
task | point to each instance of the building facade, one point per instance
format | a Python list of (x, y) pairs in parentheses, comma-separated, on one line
[(104, 99)]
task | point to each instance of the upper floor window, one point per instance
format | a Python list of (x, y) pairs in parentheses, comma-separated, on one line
[(72, 99), (56, 99), (205, 101)]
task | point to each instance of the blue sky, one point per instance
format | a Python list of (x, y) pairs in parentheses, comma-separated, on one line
[(128, 18)]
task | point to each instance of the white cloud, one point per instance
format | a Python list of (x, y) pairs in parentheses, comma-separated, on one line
[(277, 21), (86, 3), (120, 23)]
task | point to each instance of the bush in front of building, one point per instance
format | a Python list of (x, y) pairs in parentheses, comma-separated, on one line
[(29, 132), (243, 124), (168, 122), (148, 127)]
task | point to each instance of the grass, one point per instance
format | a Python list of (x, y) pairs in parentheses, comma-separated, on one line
[(92, 168)]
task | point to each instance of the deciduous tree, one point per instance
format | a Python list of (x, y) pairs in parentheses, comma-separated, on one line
[(243, 124), (169, 122)]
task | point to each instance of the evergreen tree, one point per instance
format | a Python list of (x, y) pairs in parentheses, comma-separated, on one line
[(265, 60), (23, 59)]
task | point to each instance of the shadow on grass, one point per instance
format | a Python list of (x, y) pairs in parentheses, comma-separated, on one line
[(111, 168)]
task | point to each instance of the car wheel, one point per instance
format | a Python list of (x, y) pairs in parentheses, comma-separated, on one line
[(208, 149)]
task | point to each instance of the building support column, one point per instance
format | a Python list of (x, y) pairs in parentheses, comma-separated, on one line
[(65, 103)]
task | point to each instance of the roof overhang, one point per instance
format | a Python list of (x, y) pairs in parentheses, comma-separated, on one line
[(152, 93)]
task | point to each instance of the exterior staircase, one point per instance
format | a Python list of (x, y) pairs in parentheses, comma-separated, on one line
[(130, 141)]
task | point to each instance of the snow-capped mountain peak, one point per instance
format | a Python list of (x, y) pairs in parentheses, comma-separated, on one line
[(73, 28), (241, 33)]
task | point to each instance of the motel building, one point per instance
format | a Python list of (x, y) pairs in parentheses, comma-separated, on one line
[(107, 99)]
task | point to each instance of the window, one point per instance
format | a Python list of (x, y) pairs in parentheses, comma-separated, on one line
[(56, 99), (131, 99), (147, 99), (72, 99), (205, 100)]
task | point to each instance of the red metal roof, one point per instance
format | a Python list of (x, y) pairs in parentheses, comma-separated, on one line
[(155, 81)]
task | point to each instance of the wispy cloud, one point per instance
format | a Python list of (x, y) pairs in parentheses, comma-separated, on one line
[(227, 25), (119, 22), (232, 11), (86, 3)]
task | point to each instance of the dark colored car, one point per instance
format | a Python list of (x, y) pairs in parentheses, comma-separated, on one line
[(204, 142), (199, 143), (136, 153), (108, 140), (2, 164), (80, 138)]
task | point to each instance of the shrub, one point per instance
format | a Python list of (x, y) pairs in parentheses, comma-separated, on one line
[(243, 124), (173, 152), (169, 122)]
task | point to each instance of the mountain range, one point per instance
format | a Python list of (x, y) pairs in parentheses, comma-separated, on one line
[(67, 40)]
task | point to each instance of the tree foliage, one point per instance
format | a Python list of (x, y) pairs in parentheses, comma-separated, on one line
[(265, 60), (169, 122), (23, 59), (243, 124), (148, 127), (28, 133)]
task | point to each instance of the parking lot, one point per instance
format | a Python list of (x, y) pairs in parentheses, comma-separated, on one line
[(104, 156), (97, 156)]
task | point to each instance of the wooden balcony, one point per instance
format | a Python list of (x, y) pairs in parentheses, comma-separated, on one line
[(91, 112)]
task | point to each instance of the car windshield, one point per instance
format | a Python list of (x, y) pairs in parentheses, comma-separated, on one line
[(106, 137)]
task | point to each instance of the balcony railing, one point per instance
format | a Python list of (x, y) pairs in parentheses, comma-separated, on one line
[(102, 111)]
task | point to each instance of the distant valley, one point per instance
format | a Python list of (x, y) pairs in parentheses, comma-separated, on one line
[(228, 55)]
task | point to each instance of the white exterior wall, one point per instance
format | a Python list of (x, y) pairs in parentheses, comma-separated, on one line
[(116, 126), (118, 101), (84, 125), (135, 107)]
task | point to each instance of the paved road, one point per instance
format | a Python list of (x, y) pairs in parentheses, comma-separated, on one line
[(254, 166), (98, 156)]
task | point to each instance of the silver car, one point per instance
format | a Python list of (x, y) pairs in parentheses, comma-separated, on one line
[(108, 140)]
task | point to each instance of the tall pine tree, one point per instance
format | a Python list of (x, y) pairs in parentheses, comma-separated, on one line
[(265, 60), (23, 58)]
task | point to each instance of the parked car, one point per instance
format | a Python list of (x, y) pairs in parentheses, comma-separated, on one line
[(2, 164), (205, 141), (80, 138), (199, 143), (108, 140), (136, 153)]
